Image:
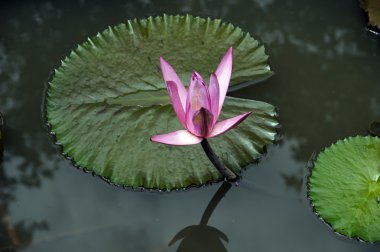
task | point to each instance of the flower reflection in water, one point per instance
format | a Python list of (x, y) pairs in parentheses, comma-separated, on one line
[(203, 237)]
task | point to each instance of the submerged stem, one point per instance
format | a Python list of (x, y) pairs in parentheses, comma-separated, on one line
[(227, 173)]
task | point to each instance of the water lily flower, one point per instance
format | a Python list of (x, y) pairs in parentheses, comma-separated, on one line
[(199, 107)]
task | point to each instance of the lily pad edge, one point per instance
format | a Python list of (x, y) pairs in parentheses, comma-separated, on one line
[(309, 166)]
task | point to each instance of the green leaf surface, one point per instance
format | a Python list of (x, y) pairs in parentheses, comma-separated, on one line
[(108, 98), (344, 187)]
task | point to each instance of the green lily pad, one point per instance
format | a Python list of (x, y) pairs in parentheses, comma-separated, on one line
[(344, 187), (108, 98)]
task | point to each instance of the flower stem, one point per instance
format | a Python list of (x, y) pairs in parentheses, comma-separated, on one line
[(227, 173)]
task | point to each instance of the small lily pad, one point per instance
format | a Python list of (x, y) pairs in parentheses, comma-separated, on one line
[(344, 187), (108, 98)]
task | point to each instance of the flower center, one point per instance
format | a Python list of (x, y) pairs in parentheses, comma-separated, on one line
[(202, 121)]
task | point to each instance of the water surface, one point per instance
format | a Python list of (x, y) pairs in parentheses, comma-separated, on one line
[(326, 88)]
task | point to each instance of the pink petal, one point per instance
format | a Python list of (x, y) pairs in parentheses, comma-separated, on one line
[(170, 75), (225, 125), (176, 102), (213, 89), (180, 137), (197, 97), (224, 75)]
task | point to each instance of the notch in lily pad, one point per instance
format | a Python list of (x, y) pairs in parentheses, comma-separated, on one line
[(108, 97), (344, 187)]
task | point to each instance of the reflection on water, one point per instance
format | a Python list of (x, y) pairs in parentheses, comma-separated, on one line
[(326, 72), (200, 238), (203, 237), (314, 69), (1, 136), (23, 164), (20, 233), (294, 181), (374, 128), (326, 87)]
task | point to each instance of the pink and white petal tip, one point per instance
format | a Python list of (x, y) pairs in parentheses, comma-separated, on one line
[(228, 124), (180, 137)]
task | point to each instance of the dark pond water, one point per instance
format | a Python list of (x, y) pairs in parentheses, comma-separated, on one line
[(326, 86)]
